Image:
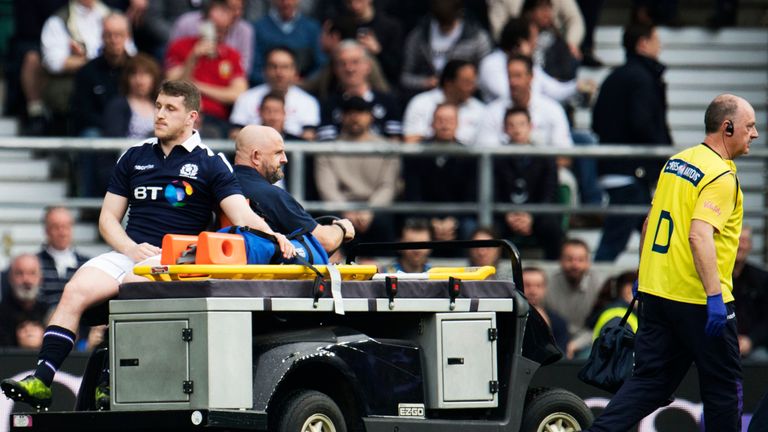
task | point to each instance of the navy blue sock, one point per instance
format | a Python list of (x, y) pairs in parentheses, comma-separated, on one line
[(57, 343)]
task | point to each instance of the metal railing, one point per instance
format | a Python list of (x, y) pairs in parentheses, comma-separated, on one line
[(484, 207)]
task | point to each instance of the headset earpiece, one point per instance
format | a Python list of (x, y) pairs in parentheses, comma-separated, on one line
[(729, 128)]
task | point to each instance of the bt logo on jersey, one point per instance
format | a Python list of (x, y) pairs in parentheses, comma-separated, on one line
[(144, 192), (175, 193)]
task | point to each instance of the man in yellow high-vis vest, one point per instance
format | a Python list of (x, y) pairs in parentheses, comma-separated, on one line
[(688, 250)]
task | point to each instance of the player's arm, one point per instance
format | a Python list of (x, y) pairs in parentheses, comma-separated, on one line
[(112, 211), (710, 214), (237, 210), (702, 241)]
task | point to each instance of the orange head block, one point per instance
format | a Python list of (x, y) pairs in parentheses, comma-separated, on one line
[(174, 245), (221, 248)]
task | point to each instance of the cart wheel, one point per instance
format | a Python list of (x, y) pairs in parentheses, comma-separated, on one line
[(555, 410), (310, 411)]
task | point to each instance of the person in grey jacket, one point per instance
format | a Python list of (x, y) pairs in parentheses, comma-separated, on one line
[(442, 36)]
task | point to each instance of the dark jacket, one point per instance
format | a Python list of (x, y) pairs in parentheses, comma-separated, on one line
[(95, 85), (559, 328), (281, 211), (632, 109), (530, 180), (440, 178), (389, 33), (473, 44), (750, 290), (117, 118), (53, 285), (12, 314), (525, 180)]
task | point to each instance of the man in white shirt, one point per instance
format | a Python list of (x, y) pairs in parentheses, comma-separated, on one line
[(457, 84), (72, 36), (302, 111), (550, 124), (518, 37)]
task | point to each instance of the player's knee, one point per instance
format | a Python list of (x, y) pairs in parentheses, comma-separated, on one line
[(75, 293)]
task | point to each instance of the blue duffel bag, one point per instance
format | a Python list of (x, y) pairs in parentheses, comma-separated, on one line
[(262, 248)]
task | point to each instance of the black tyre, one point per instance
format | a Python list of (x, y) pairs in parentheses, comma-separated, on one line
[(555, 410), (310, 411)]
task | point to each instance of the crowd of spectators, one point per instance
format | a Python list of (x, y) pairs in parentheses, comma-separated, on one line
[(91, 68), (32, 285), (435, 72)]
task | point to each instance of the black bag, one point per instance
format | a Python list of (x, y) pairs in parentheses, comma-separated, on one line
[(612, 357)]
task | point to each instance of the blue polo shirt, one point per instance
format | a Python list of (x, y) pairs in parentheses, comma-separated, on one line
[(175, 194), (281, 211)]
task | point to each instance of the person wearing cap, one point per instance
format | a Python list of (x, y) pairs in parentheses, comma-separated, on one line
[(371, 180)]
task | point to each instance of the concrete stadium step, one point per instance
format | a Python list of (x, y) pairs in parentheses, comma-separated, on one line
[(726, 49), (677, 118), (35, 169), (33, 192), (683, 137), (34, 233), (701, 97), (8, 155), (9, 126), (688, 77), (27, 214), (693, 12), (721, 58), (692, 36)]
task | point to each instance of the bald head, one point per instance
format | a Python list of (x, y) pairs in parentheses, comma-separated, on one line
[(730, 125), (115, 34), (721, 109), (261, 148)]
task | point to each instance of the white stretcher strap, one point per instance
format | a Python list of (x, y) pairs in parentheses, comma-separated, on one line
[(338, 300)]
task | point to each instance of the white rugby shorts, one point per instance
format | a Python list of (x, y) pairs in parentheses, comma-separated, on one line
[(118, 265)]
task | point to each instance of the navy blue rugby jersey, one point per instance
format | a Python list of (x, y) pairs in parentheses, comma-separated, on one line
[(175, 194)]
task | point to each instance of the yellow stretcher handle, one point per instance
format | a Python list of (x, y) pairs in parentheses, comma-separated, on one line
[(253, 271), (349, 272)]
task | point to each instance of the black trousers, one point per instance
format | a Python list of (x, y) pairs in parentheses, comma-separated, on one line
[(669, 338)]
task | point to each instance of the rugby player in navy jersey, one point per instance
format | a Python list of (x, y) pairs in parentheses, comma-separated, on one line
[(172, 184)]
